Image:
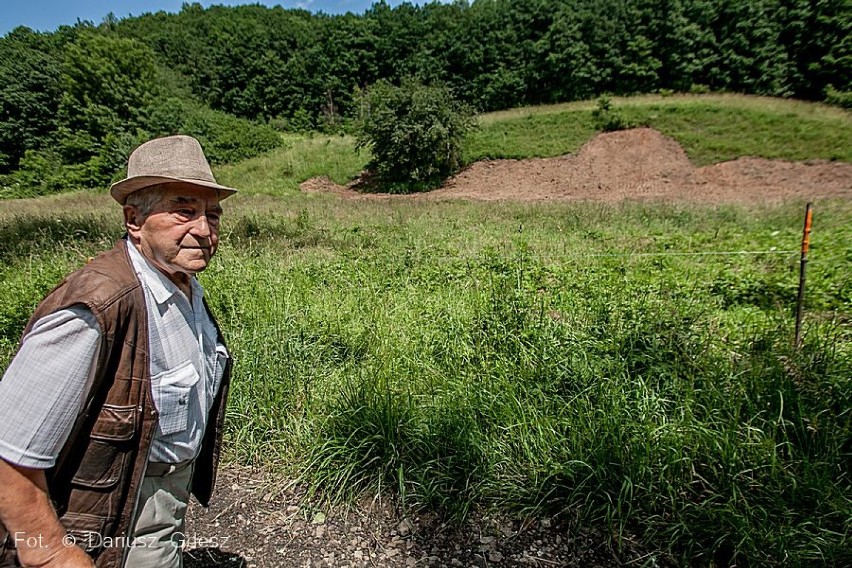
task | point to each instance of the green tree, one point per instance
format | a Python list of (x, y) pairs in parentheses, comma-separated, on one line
[(107, 81), (598, 46), (414, 133), (30, 88)]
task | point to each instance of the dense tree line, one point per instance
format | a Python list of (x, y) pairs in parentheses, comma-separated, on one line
[(258, 62), (85, 88)]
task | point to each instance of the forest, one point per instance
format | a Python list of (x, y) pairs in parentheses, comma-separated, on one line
[(75, 101)]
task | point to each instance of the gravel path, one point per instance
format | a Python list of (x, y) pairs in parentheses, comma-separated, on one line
[(255, 521)]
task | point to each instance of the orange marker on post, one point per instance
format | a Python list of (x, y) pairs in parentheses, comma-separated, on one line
[(806, 241)]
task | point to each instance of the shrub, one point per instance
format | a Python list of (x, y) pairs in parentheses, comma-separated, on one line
[(843, 99), (699, 89), (414, 133), (226, 138), (608, 118), (81, 160)]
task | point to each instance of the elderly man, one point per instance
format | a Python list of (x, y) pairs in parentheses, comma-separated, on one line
[(111, 411)]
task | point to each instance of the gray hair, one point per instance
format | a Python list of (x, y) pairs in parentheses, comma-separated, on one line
[(145, 199)]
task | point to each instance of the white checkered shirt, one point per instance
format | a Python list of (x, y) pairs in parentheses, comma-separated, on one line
[(46, 383)]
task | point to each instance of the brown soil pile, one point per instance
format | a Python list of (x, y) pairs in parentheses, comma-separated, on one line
[(633, 164)]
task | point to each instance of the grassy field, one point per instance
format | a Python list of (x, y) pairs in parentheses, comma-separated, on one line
[(557, 359), (711, 128)]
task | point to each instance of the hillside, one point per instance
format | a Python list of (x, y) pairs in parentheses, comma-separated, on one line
[(74, 102), (638, 164)]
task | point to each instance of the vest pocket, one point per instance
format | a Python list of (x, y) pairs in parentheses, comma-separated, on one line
[(87, 531), (110, 443)]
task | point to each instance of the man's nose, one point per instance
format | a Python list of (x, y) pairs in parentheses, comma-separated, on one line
[(201, 227)]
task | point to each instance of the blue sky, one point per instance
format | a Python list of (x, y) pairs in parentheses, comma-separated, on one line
[(47, 15)]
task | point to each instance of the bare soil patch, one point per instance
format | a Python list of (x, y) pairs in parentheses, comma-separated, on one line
[(637, 164), (256, 522)]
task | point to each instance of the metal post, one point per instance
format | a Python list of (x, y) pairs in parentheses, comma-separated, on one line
[(806, 240)]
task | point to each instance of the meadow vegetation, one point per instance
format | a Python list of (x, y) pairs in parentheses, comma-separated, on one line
[(538, 359), (711, 128)]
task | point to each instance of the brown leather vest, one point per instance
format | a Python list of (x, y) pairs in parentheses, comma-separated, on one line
[(96, 479)]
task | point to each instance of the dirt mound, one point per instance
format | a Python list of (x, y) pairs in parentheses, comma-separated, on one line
[(322, 184), (757, 179), (631, 164)]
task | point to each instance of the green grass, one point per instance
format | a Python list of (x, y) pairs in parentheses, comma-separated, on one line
[(710, 128), (475, 355), (281, 171), (529, 358)]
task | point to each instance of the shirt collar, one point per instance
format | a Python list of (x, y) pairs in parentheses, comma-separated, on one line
[(162, 289)]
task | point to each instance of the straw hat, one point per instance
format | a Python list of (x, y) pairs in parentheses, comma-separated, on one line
[(167, 160)]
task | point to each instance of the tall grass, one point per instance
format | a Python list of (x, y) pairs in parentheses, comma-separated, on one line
[(469, 355), (521, 357)]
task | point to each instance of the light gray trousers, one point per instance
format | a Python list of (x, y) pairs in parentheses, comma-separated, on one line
[(158, 530)]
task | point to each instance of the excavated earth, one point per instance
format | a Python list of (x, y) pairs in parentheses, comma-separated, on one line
[(257, 521), (638, 164)]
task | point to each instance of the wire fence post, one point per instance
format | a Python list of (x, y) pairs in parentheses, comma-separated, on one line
[(806, 240)]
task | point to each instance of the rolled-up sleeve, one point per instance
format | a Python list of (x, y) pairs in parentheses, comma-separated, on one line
[(45, 386)]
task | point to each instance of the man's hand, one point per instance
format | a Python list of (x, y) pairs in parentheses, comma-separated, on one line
[(67, 556), (31, 521)]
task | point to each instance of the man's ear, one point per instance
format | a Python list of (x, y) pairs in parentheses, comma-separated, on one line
[(132, 220)]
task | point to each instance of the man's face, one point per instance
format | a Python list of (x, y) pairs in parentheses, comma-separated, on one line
[(181, 233)]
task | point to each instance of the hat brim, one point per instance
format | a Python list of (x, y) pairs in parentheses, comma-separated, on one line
[(121, 189)]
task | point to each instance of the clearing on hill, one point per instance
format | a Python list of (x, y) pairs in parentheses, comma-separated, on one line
[(637, 164)]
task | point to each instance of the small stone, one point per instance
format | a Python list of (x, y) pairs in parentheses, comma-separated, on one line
[(391, 552), (320, 532), (358, 555), (495, 556), (487, 540), (404, 527), (546, 523), (410, 562)]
